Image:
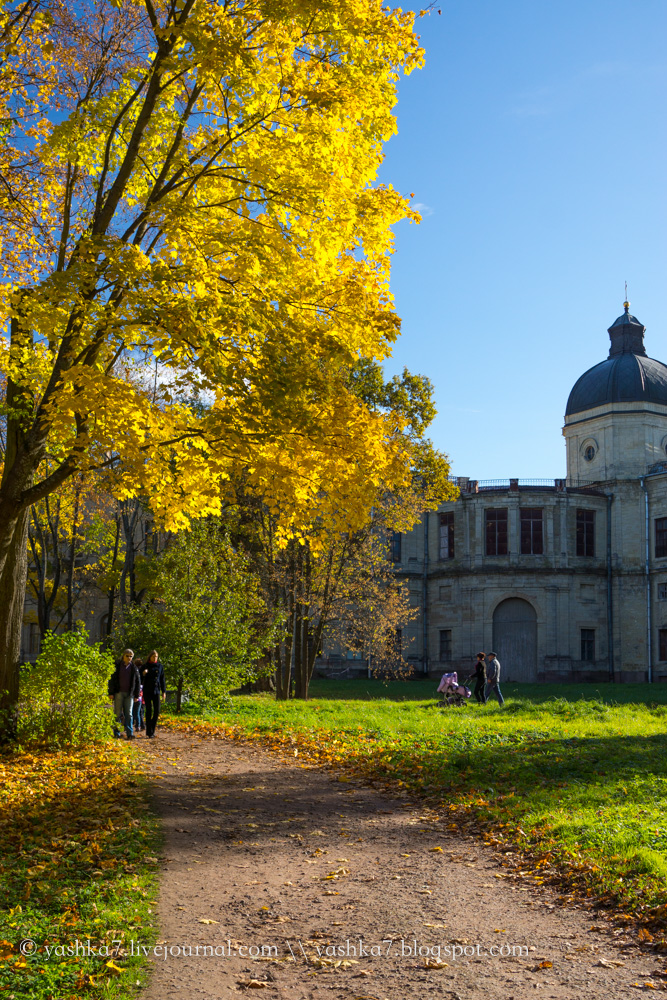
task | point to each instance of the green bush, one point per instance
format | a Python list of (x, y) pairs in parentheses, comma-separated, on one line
[(64, 701)]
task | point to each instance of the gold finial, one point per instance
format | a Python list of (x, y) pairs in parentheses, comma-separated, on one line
[(626, 304)]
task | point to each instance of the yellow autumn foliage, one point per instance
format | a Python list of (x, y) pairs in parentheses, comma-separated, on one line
[(194, 253)]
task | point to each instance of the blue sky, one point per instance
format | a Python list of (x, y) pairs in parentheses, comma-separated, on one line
[(535, 141)]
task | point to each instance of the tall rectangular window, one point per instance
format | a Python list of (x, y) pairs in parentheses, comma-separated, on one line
[(34, 639), (586, 533), (662, 643), (660, 537), (496, 531), (395, 546), (445, 644), (662, 591), (447, 535), (588, 644), (532, 535)]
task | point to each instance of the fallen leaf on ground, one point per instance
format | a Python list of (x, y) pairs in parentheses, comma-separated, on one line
[(205, 920)]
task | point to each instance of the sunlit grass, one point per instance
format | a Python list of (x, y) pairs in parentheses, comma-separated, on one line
[(577, 772)]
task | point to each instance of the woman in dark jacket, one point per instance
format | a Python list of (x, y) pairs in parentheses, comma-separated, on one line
[(480, 679), (153, 681)]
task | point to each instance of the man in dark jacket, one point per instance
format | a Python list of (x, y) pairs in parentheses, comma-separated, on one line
[(153, 680), (126, 685)]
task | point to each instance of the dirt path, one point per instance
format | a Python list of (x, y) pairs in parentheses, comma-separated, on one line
[(249, 844)]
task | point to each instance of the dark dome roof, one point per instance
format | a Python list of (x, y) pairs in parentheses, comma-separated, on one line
[(627, 376)]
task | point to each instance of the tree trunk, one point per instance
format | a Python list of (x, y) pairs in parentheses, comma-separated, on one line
[(111, 593), (179, 694), (12, 597), (302, 630), (298, 649), (284, 649), (72, 558), (282, 655)]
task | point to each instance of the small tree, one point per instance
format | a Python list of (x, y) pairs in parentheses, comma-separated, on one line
[(204, 615), (376, 609)]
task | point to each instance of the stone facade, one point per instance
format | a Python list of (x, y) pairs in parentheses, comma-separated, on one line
[(566, 581)]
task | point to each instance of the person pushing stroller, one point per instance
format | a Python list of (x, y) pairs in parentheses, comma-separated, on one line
[(480, 679)]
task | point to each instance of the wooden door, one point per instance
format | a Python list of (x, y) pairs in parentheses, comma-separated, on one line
[(515, 640)]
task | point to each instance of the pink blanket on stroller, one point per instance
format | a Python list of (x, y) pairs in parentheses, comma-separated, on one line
[(448, 681)]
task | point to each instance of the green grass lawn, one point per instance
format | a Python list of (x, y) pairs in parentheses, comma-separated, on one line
[(575, 774)]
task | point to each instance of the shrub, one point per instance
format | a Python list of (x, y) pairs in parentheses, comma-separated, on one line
[(64, 701)]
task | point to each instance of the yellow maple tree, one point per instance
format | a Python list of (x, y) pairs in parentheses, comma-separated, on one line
[(194, 255)]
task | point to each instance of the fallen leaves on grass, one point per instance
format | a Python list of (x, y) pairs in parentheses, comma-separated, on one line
[(74, 837)]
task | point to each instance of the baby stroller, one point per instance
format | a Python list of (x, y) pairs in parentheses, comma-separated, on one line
[(452, 692)]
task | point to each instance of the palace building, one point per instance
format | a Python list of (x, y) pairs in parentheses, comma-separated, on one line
[(565, 579)]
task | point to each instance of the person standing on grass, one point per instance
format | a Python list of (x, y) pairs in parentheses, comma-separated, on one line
[(154, 686), (126, 686), (493, 679), (480, 679)]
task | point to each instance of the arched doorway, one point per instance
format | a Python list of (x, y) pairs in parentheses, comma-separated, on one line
[(515, 640)]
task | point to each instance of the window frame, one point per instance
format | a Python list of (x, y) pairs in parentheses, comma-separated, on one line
[(660, 537), (585, 532), (446, 538), (587, 645), (531, 538), (445, 645), (662, 645), (496, 531)]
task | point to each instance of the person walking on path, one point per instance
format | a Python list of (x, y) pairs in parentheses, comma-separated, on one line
[(154, 686), (138, 707), (493, 679), (480, 679), (126, 686)]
